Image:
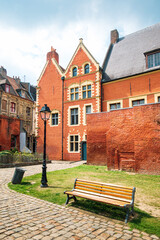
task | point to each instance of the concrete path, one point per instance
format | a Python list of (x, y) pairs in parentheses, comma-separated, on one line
[(24, 217)]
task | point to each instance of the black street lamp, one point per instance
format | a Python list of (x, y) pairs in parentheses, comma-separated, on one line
[(45, 115)]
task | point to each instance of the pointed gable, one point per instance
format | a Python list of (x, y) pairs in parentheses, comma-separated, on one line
[(81, 57)]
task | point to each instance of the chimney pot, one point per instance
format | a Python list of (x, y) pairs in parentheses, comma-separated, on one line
[(53, 54), (114, 36)]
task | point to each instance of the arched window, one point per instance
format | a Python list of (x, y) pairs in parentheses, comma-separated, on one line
[(86, 68), (74, 72)]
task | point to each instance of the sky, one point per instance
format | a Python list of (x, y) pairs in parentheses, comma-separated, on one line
[(28, 29)]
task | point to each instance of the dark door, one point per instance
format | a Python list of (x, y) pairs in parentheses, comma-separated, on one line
[(84, 150)]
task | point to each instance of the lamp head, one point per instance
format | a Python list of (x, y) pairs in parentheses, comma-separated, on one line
[(45, 112)]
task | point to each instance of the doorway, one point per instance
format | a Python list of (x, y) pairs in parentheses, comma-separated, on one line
[(84, 150)]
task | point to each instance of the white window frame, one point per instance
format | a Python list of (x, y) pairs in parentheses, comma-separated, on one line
[(84, 112), (156, 97), (69, 115), (137, 98), (54, 112), (83, 67), (73, 87), (113, 102), (74, 142)]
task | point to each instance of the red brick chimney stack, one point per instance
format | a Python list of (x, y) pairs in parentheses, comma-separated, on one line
[(114, 36), (53, 54)]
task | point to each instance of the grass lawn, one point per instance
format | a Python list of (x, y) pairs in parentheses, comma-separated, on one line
[(147, 191)]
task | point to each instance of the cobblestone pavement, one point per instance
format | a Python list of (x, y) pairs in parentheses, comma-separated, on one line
[(24, 217)]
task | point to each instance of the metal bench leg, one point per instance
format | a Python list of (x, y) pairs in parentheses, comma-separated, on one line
[(132, 211), (127, 215), (75, 199), (67, 201)]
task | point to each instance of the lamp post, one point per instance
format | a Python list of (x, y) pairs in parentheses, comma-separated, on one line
[(45, 115)]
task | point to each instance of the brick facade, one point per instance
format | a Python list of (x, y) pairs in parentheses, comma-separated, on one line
[(17, 111), (143, 86), (65, 93), (127, 139), (8, 127)]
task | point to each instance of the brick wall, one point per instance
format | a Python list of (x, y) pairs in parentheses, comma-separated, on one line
[(8, 127), (50, 93), (127, 139), (131, 87)]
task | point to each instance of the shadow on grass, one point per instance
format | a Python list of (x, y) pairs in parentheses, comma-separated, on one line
[(25, 183), (109, 211)]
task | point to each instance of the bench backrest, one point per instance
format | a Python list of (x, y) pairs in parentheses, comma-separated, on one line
[(105, 190)]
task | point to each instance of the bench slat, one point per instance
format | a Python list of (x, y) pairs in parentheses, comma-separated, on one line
[(105, 184), (102, 189), (104, 193), (104, 196), (99, 199)]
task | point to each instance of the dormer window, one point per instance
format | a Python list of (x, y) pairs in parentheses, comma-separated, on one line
[(153, 59), (7, 88), (74, 72), (86, 68)]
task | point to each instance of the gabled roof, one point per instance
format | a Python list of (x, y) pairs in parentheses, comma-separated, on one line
[(126, 57), (81, 45)]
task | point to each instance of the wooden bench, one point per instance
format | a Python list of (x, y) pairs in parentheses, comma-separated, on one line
[(105, 193)]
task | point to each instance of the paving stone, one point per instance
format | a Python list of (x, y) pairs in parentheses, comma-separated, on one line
[(25, 217)]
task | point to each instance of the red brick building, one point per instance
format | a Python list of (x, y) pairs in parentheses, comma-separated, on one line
[(70, 95), (122, 102), (127, 135)]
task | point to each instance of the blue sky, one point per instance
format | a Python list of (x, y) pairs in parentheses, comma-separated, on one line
[(28, 29)]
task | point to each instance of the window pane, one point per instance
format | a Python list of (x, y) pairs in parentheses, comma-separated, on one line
[(76, 110), (84, 94), (89, 87), (72, 96), (76, 138), (76, 89), (76, 119), (72, 120), (74, 72), (71, 147), (118, 105), (86, 68), (71, 138), (157, 59), (112, 106), (158, 99), (89, 94), (76, 147), (72, 90), (141, 101), (88, 109), (55, 119), (84, 87), (76, 96), (150, 61), (4, 104)]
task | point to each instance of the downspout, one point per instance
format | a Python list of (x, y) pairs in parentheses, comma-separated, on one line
[(62, 110), (101, 97), (0, 100)]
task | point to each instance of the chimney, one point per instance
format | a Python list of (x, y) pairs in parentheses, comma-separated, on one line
[(17, 79), (3, 71), (114, 36), (53, 54)]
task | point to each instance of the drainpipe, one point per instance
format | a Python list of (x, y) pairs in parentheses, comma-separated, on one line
[(101, 97), (0, 100), (62, 110)]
